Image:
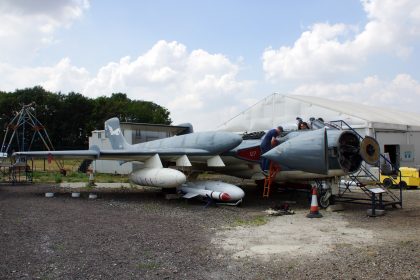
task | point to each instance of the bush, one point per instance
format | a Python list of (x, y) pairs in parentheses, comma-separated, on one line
[(58, 178)]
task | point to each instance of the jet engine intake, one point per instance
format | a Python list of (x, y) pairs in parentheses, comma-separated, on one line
[(348, 148)]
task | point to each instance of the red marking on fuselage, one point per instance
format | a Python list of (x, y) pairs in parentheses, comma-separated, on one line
[(251, 154)]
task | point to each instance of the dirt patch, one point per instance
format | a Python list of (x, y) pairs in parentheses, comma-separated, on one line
[(293, 235)]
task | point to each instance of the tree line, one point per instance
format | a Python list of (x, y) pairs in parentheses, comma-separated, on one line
[(70, 118)]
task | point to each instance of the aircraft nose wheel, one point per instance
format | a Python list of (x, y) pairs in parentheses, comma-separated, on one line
[(325, 199)]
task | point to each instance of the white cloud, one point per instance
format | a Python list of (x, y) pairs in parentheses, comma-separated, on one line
[(61, 77), (402, 93), (27, 26), (205, 88), (192, 85), (326, 50), (195, 86)]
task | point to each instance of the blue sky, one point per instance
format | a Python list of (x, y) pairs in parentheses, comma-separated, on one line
[(208, 60), (234, 28)]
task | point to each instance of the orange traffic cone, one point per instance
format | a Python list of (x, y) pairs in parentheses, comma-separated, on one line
[(314, 212)]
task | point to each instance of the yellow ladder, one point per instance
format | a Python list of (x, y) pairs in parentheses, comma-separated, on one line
[(274, 169)]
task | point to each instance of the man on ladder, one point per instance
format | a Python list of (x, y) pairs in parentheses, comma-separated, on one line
[(269, 141), (269, 169)]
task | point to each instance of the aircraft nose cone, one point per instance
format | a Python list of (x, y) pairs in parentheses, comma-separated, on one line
[(272, 155), (180, 178)]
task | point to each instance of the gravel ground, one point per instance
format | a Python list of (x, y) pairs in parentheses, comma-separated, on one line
[(137, 234)]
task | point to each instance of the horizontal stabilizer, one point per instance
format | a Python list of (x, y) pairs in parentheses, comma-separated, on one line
[(153, 162), (190, 195), (183, 161), (215, 161)]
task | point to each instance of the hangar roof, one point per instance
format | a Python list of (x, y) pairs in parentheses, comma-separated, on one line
[(364, 112), (279, 109)]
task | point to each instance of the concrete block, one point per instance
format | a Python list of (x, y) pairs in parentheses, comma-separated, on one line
[(378, 212), (93, 196), (75, 194)]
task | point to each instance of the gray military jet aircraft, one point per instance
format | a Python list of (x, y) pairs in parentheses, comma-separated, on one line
[(320, 154), (200, 147), (307, 154)]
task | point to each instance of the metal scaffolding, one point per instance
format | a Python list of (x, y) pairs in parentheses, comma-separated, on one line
[(20, 134)]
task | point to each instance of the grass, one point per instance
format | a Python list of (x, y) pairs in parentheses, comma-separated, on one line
[(59, 247), (43, 165), (76, 177), (58, 178), (45, 172), (147, 266), (256, 221), (72, 177)]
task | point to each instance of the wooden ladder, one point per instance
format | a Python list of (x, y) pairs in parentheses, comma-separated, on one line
[(274, 169)]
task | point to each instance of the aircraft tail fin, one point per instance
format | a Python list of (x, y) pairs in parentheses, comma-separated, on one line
[(114, 134)]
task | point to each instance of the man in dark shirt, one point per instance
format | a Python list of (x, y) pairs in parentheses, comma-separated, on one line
[(269, 141)]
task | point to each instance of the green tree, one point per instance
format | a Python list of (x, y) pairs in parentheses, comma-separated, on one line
[(70, 118)]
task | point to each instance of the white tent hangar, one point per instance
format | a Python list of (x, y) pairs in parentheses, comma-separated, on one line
[(397, 132)]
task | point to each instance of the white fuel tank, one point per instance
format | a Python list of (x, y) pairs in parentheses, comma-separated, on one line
[(158, 177)]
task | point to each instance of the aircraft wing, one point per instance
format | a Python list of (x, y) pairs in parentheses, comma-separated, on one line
[(115, 154), (75, 154), (179, 155), (200, 147), (142, 155)]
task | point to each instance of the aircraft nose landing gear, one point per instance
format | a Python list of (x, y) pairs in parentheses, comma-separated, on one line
[(325, 197)]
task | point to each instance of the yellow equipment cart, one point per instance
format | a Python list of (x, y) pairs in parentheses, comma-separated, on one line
[(410, 177)]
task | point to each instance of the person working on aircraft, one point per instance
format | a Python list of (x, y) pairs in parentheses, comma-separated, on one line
[(298, 122), (303, 126), (269, 141)]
